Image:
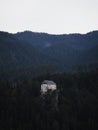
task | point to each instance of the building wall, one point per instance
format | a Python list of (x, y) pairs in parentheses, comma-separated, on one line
[(52, 87), (46, 87)]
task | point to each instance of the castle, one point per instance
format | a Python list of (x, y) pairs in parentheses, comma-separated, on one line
[(48, 85)]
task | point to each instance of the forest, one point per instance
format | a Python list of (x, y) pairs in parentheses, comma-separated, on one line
[(22, 107), (27, 53)]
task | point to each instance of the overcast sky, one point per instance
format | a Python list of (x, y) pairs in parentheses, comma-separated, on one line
[(51, 16)]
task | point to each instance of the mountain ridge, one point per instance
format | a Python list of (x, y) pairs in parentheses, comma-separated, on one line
[(47, 52)]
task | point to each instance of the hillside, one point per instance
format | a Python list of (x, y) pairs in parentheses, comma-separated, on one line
[(23, 107), (68, 49), (17, 56), (29, 53)]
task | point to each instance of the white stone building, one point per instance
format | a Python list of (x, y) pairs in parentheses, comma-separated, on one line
[(48, 85)]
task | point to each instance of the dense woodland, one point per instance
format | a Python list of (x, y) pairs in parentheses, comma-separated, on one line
[(24, 57), (29, 53), (23, 108)]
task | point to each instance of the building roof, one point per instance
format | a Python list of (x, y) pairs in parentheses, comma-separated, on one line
[(48, 82)]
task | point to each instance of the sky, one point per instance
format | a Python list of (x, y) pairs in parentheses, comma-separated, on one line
[(50, 16)]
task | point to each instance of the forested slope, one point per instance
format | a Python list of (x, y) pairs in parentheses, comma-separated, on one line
[(22, 108)]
